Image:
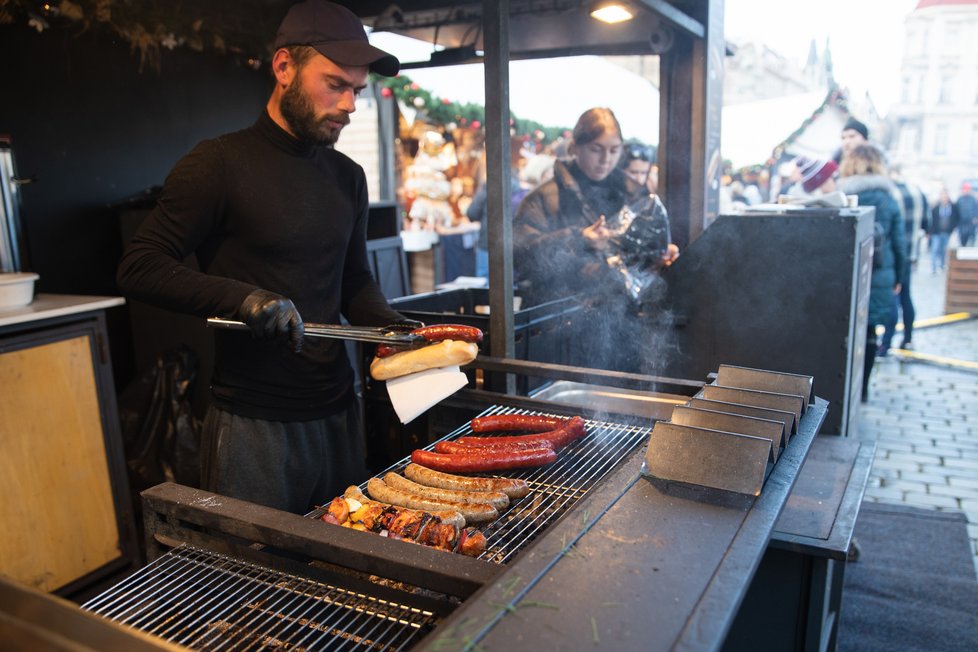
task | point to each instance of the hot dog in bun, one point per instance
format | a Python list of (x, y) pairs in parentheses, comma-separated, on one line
[(445, 345)]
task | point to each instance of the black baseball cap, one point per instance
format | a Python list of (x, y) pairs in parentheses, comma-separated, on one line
[(336, 33)]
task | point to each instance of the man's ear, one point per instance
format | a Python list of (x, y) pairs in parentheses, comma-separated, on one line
[(283, 67)]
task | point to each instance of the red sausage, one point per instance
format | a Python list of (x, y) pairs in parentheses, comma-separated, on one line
[(569, 433), (511, 422), (480, 461), (434, 333), (386, 350), (571, 430), (539, 439), (449, 447), (439, 332)]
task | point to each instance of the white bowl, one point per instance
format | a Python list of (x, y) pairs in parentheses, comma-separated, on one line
[(16, 289)]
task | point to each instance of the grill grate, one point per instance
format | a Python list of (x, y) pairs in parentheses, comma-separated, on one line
[(554, 488), (207, 601)]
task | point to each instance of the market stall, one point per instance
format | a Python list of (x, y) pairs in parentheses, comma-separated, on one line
[(643, 532)]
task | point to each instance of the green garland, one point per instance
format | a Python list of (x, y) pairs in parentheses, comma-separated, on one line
[(443, 111), (152, 26)]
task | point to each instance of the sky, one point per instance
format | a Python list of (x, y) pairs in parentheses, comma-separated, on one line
[(865, 36)]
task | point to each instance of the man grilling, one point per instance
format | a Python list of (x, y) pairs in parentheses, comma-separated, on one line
[(277, 219)]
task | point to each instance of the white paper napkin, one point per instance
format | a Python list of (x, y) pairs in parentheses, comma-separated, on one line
[(411, 395)]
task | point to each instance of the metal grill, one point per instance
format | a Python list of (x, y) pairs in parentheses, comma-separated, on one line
[(207, 601), (554, 488)]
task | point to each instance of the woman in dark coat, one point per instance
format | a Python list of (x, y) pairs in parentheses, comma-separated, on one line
[(562, 227), (863, 173), (561, 236)]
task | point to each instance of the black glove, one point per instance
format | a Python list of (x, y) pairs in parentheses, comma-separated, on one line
[(405, 325), (272, 315)]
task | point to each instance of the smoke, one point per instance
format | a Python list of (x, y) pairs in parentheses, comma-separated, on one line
[(616, 332), (624, 323)]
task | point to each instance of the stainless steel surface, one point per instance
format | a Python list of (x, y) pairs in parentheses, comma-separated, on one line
[(787, 418), (206, 601), (716, 420), (379, 335), (604, 399), (770, 400), (554, 488), (34, 621), (768, 381), (708, 458)]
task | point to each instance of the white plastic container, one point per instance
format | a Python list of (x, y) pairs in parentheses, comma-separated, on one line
[(16, 289)]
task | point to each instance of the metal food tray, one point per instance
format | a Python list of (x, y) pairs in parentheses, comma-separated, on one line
[(554, 489)]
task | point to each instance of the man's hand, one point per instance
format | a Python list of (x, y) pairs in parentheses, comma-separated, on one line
[(272, 315)]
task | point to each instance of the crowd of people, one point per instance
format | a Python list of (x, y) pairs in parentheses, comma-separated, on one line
[(906, 220)]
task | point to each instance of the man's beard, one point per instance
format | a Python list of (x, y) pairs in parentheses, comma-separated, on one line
[(301, 117)]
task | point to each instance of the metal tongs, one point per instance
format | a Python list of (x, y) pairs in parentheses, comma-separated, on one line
[(393, 334)]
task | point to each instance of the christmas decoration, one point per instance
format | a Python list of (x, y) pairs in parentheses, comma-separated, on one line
[(151, 27), (445, 112)]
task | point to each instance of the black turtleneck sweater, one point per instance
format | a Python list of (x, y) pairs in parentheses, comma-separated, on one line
[(262, 209)]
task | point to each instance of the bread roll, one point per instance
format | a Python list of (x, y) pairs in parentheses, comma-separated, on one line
[(440, 354)]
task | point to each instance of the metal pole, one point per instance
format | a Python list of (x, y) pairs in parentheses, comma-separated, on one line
[(495, 19)]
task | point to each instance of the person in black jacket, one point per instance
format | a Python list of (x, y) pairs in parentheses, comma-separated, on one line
[(944, 218), (914, 204), (561, 237), (864, 174), (277, 219)]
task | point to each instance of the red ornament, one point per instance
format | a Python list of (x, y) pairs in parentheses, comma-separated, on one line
[(476, 124), (414, 87), (445, 101), (386, 92)]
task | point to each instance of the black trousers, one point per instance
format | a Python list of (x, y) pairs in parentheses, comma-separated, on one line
[(292, 466), (871, 347)]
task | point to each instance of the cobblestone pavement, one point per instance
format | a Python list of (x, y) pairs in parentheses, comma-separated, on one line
[(924, 416)]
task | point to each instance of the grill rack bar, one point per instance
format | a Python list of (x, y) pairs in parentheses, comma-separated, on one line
[(208, 601), (554, 488)]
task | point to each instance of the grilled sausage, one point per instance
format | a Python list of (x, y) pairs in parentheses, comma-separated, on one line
[(387, 350), (473, 444), (471, 512), (497, 499), (516, 422), (571, 430), (448, 517), (434, 333), (513, 487), (481, 461), (439, 332)]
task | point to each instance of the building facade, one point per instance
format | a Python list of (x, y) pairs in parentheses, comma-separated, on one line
[(935, 122)]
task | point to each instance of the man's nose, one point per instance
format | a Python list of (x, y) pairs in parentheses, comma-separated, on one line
[(348, 101)]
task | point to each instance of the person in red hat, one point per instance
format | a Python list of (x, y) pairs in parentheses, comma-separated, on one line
[(277, 219), (815, 176)]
